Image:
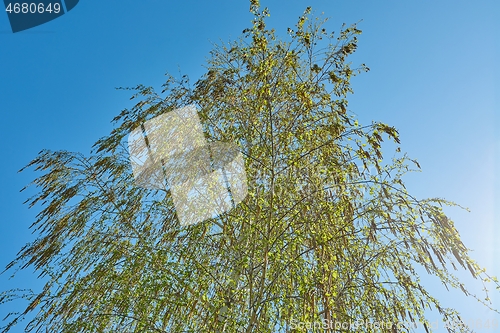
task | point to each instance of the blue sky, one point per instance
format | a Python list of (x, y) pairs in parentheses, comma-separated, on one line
[(434, 76)]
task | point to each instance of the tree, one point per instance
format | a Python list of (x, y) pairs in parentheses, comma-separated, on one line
[(318, 242)]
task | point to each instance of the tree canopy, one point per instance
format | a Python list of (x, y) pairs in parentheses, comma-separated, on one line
[(318, 239)]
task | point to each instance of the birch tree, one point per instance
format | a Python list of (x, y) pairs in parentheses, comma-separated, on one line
[(327, 235)]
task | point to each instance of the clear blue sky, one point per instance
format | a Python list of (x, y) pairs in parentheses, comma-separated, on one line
[(434, 75)]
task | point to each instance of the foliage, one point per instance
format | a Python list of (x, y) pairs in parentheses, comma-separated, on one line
[(318, 239)]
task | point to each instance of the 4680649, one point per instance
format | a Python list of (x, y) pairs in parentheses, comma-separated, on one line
[(33, 8)]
